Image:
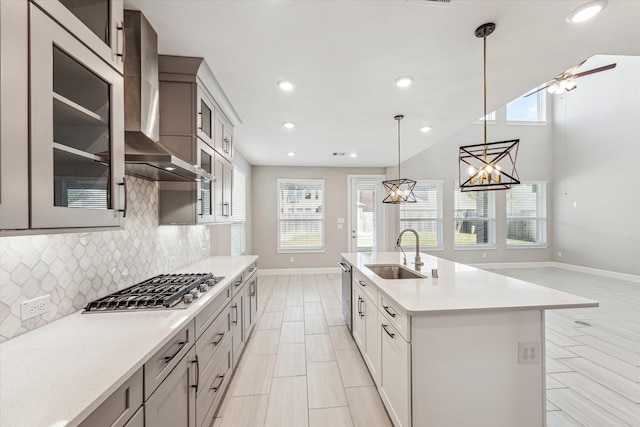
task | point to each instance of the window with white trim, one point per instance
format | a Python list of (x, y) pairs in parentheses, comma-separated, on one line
[(474, 218), (239, 203), (530, 109), (424, 216), (527, 214), (301, 206)]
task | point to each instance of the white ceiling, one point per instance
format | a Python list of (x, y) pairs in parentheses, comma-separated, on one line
[(344, 55)]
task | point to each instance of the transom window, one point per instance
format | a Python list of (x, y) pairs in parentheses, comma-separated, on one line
[(424, 216), (474, 218), (526, 214), (530, 109), (301, 215)]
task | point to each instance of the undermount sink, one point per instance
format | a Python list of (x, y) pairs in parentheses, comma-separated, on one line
[(393, 271)]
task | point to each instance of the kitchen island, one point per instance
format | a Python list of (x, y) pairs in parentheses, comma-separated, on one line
[(60, 373), (464, 349)]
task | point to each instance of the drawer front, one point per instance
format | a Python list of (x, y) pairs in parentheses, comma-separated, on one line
[(212, 389), (137, 420), (210, 342), (365, 286), (160, 365), (396, 317), (120, 406), (209, 314)]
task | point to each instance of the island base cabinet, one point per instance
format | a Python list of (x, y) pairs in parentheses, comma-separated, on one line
[(173, 404), (395, 381)]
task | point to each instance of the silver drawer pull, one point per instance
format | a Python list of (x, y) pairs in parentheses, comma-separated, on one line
[(221, 335), (387, 331), (168, 359), (362, 283), (216, 388), (386, 308)]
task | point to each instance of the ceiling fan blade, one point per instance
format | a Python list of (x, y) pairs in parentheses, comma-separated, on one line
[(539, 89), (595, 70), (568, 73)]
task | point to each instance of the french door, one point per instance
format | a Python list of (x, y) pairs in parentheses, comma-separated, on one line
[(365, 210)]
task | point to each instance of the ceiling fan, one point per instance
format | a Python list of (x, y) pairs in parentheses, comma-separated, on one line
[(564, 82)]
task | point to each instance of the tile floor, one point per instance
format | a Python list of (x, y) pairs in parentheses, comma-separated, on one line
[(302, 368)]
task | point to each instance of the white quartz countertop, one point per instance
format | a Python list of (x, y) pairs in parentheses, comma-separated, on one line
[(58, 374), (459, 287)]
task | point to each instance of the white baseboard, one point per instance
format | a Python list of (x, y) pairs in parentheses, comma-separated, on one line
[(289, 271), (606, 273), (496, 265)]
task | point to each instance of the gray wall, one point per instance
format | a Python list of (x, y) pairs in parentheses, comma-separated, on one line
[(440, 162), (596, 159), (264, 197)]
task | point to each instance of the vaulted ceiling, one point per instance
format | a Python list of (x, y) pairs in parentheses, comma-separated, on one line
[(344, 55)]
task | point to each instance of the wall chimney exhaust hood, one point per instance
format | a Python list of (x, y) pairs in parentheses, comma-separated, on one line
[(144, 156)]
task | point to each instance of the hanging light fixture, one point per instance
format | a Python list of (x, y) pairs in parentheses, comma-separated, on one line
[(488, 166), (399, 190)]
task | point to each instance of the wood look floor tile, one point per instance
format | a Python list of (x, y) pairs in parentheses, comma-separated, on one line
[(255, 375), (623, 354), (288, 403), (613, 364), (551, 407), (270, 320), (294, 301), (366, 407), (554, 366), (319, 348), (263, 341), (315, 324), (245, 411), (615, 382), (332, 303), (553, 383), (582, 410), (353, 369), (325, 386), (274, 305), (290, 360), (334, 317), (330, 417), (292, 332), (312, 308), (293, 314), (556, 352), (341, 338), (561, 419)]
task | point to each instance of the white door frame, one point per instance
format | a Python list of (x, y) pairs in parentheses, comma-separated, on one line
[(380, 232)]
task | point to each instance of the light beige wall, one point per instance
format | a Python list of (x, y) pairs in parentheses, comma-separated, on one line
[(265, 205)]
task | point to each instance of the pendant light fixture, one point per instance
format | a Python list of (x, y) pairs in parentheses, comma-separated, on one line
[(399, 190), (490, 165)]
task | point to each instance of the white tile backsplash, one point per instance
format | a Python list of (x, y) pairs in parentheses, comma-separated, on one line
[(76, 268)]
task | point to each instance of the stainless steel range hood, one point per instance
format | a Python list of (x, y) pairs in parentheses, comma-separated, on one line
[(144, 156)]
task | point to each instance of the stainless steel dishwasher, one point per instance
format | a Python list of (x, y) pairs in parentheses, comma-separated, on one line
[(346, 293)]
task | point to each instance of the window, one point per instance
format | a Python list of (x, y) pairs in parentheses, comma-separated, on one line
[(301, 215), (239, 203), (424, 216), (474, 220), (530, 109), (526, 215)]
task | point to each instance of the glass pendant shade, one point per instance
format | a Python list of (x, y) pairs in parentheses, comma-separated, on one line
[(399, 190), (490, 166)]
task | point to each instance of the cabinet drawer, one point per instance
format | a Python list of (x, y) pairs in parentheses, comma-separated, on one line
[(365, 286), (243, 278), (207, 316), (160, 365), (210, 342), (398, 318), (213, 386), (120, 406)]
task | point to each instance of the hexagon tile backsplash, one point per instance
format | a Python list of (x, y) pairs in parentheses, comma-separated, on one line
[(76, 268)]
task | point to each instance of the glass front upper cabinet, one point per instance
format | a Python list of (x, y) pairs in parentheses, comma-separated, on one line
[(77, 132), (205, 186), (98, 23)]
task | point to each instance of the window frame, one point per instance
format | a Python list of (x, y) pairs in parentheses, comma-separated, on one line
[(439, 220), (540, 218), (279, 220), (541, 120), (491, 221)]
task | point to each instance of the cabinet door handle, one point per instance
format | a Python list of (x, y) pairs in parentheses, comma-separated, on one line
[(201, 201), (200, 120), (225, 209), (386, 308), (221, 335), (123, 53), (238, 282), (387, 331), (216, 388), (252, 289), (363, 284), (126, 198), (235, 307), (197, 374), (168, 359), (360, 312)]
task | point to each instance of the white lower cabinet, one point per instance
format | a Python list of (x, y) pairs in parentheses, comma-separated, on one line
[(395, 381)]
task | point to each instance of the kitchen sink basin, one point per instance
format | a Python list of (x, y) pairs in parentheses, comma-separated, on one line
[(393, 271)]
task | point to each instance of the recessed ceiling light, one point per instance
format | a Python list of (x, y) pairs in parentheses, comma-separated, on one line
[(289, 125), (425, 129), (169, 168), (291, 154), (586, 11), (403, 81), (286, 85), (353, 155)]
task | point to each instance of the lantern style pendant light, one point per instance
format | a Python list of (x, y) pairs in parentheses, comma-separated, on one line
[(488, 166), (399, 190)]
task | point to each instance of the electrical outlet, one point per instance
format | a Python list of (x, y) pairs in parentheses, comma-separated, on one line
[(528, 352), (559, 254), (484, 254), (35, 307)]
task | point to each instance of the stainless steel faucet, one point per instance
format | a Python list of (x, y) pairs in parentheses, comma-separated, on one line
[(417, 262)]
